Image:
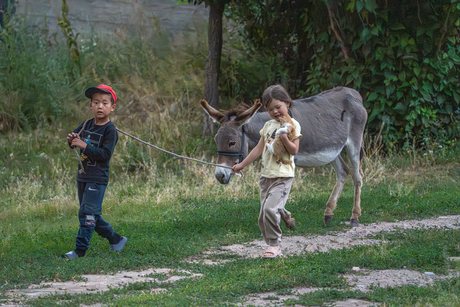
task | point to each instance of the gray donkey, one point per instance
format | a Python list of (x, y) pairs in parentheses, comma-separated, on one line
[(331, 121)]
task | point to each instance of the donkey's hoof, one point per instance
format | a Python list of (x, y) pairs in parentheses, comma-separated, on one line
[(354, 223), (328, 219)]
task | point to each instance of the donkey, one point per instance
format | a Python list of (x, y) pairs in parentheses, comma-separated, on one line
[(331, 122)]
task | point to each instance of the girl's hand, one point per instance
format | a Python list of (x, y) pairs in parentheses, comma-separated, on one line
[(237, 168), (284, 136), (292, 147)]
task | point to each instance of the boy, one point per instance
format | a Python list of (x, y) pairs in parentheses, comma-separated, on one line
[(96, 139)]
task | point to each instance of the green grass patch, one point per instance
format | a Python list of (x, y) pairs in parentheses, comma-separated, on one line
[(227, 283), (171, 216)]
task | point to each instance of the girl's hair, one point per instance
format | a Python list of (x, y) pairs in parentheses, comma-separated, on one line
[(277, 92)]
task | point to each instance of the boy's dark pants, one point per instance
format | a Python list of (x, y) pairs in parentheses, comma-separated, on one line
[(90, 196)]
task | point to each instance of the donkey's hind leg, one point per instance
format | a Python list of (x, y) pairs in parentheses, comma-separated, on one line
[(342, 172), (355, 155)]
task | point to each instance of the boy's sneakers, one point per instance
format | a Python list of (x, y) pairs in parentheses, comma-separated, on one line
[(72, 254), (81, 253), (119, 246)]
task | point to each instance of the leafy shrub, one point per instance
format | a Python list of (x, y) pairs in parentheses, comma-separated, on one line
[(402, 57)]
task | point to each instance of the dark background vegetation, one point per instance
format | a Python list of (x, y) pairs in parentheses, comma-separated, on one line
[(402, 56)]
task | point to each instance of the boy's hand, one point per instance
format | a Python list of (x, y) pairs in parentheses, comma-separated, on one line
[(72, 136), (77, 142)]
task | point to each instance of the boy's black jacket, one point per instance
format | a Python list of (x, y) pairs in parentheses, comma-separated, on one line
[(95, 157)]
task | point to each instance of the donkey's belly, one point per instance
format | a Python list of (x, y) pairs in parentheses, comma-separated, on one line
[(317, 158)]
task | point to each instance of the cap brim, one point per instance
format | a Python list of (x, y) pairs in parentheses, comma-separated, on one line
[(91, 90)]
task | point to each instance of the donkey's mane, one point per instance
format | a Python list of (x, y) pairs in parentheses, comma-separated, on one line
[(234, 112)]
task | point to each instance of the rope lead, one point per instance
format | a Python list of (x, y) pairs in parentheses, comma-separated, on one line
[(82, 170), (171, 153)]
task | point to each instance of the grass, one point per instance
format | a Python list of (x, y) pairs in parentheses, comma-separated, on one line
[(170, 212), (172, 209), (228, 282)]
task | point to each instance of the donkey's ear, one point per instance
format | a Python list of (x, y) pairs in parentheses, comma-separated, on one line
[(249, 113), (215, 115)]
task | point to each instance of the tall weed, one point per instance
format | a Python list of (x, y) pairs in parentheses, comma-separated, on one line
[(34, 77), (159, 83)]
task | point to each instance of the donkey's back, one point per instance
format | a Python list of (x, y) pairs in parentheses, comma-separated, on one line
[(330, 122)]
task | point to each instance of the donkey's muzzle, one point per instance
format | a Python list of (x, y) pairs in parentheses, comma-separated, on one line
[(223, 175)]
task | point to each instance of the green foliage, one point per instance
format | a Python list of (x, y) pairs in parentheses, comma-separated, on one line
[(245, 75), (158, 84), (402, 57), (7, 8), (71, 37), (34, 78)]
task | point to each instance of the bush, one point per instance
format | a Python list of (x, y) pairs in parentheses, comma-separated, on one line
[(402, 57)]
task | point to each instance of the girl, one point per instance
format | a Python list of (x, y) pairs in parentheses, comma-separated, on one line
[(276, 177)]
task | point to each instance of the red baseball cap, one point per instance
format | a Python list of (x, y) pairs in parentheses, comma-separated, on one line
[(101, 88)]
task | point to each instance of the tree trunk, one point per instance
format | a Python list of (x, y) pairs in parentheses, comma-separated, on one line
[(211, 86)]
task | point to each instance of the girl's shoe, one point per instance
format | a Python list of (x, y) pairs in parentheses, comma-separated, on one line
[(272, 252)]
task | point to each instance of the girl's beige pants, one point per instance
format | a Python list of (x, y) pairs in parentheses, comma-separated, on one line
[(274, 193)]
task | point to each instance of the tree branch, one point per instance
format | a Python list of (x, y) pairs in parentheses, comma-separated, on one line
[(337, 35)]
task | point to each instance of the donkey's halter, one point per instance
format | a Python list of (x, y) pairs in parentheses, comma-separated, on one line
[(240, 153)]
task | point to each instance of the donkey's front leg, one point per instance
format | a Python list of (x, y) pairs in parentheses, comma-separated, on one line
[(342, 171)]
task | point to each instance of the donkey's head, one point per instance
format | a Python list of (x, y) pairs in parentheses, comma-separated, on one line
[(232, 145)]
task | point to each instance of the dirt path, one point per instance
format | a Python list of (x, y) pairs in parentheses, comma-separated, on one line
[(346, 239), (360, 279), (101, 283)]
